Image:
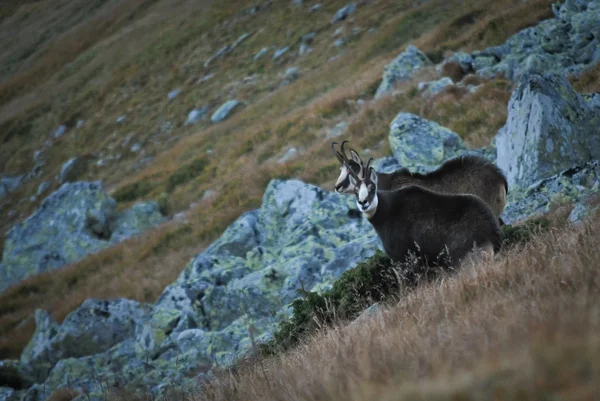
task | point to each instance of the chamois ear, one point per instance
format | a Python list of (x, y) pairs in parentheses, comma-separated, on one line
[(355, 156), (352, 180), (373, 175)]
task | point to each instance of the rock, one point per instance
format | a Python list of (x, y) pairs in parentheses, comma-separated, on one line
[(15, 375), (386, 165), (222, 51), (72, 170), (434, 87), (280, 52), (247, 276), (402, 68), (224, 111), (573, 185), (567, 43), (339, 43), (173, 94), (205, 78), (7, 394), (43, 187), (419, 142), (290, 75), (60, 131), (344, 13), (9, 184), (73, 222), (239, 40), (315, 8), (289, 155), (550, 128), (465, 60), (35, 354), (578, 213), (121, 119), (304, 49), (79, 124), (196, 115), (261, 53), (136, 147), (364, 317), (338, 130), (132, 222)]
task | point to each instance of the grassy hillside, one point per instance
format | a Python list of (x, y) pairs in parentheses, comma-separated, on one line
[(101, 60)]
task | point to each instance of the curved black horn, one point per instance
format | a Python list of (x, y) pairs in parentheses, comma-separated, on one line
[(368, 164), (340, 156), (342, 148)]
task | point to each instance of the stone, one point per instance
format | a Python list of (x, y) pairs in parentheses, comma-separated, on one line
[(60, 131), (15, 375), (240, 39), (344, 13), (578, 213), (8, 394), (136, 147), (121, 119), (308, 38), (80, 124), (550, 128), (432, 88), (290, 75), (43, 187), (9, 184), (304, 49), (261, 53), (280, 52), (136, 220), (222, 51), (290, 154), (416, 141), (386, 165), (224, 111), (339, 43), (465, 60), (196, 115), (314, 8), (402, 68), (173, 94)]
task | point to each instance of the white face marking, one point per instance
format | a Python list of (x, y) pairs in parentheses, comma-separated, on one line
[(363, 192), (369, 209)]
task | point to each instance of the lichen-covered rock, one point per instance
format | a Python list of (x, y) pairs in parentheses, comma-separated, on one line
[(574, 185), (302, 236), (550, 128), (568, 43), (416, 141), (224, 111), (196, 115), (403, 67), (36, 353), (136, 220), (434, 87), (9, 184), (76, 220), (7, 394)]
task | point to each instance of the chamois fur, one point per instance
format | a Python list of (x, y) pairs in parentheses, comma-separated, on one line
[(467, 174), (425, 222)]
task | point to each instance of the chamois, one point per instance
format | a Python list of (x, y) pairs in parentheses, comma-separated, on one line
[(428, 223), (467, 174)]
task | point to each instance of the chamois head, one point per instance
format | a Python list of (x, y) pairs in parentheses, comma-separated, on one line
[(365, 189), (343, 184)]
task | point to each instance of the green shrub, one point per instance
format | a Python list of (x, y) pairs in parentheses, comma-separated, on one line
[(521, 234), (374, 280)]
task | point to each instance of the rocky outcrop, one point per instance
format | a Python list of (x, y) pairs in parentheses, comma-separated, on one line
[(76, 220), (550, 128), (9, 184), (402, 68), (570, 43)]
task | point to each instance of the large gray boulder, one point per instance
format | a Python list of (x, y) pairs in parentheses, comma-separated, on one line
[(570, 43), (402, 68), (550, 128), (73, 222), (424, 144), (9, 184)]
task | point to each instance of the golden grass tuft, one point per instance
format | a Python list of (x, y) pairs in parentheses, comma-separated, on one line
[(521, 327)]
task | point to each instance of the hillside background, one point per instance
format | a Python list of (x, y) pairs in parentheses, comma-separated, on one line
[(126, 91)]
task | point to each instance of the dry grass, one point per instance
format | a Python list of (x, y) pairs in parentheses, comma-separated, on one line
[(167, 49), (522, 327)]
